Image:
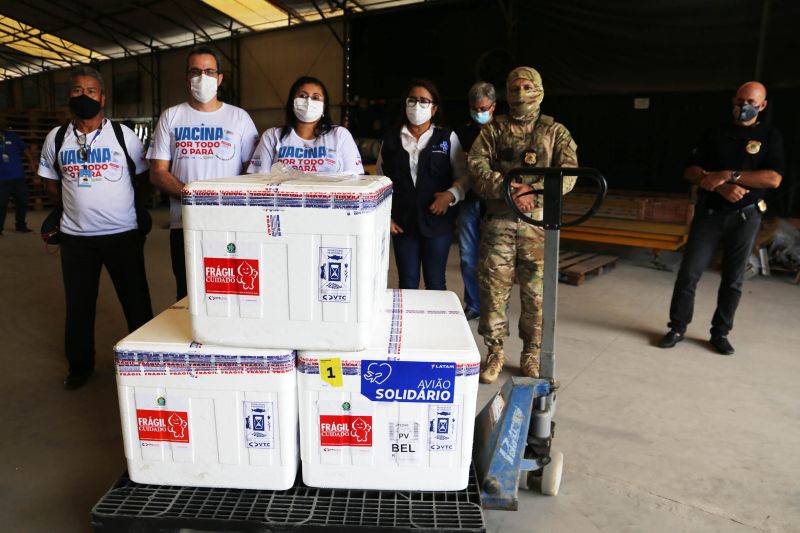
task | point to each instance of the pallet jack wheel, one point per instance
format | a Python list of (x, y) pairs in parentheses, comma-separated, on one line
[(551, 474)]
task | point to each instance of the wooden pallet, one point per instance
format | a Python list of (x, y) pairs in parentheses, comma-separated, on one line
[(575, 266)]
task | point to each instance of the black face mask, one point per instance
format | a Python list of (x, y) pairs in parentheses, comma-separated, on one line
[(84, 107)]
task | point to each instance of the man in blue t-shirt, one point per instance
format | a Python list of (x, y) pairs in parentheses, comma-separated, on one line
[(12, 177)]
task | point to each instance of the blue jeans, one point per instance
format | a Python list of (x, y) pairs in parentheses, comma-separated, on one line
[(469, 222), (411, 251)]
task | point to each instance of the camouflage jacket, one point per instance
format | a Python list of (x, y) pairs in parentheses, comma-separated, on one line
[(500, 147)]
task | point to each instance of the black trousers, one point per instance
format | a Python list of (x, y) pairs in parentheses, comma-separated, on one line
[(19, 190), (177, 254), (737, 232), (82, 258)]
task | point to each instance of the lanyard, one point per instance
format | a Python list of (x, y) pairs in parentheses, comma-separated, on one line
[(85, 149)]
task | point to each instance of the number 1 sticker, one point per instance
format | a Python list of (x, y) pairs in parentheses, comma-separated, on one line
[(330, 370)]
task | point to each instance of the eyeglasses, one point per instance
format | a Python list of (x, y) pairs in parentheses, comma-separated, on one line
[(424, 103), (194, 72), (314, 97)]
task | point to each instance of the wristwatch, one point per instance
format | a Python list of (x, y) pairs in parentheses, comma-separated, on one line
[(736, 176)]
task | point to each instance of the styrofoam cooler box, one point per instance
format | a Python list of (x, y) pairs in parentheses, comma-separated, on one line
[(286, 259), (400, 414), (206, 416)]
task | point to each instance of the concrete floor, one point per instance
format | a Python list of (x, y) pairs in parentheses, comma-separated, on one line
[(654, 440)]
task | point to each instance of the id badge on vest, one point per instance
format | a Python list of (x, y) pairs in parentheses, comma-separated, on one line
[(85, 178)]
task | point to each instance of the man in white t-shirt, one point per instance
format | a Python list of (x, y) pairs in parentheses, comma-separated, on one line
[(198, 140), (86, 170)]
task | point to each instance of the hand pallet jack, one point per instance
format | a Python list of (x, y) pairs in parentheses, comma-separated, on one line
[(514, 432)]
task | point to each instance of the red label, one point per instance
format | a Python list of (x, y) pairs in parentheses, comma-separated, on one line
[(228, 275), (169, 426), (345, 430)]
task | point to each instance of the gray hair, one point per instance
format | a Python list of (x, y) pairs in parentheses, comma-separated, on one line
[(86, 70), (481, 90)]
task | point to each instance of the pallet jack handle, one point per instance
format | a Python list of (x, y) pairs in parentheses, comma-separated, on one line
[(553, 190), (514, 431), (552, 221)]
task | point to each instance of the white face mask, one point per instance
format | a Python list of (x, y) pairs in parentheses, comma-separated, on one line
[(308, 110), (417, 116), (204, 88)]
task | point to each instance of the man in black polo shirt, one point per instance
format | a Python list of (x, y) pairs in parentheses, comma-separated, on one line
[(733, 166)]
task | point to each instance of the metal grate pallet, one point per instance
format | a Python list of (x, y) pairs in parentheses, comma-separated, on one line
[(129, 507)]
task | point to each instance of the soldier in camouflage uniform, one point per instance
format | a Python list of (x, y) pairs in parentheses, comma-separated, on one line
[(510, 247)]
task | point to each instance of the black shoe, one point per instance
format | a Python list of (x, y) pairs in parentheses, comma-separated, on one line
[(24, 229), (670, 339), (722, 345), (472, 315), (77, 379)]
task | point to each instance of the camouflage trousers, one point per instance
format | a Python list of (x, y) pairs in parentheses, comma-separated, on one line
[(510, 249)]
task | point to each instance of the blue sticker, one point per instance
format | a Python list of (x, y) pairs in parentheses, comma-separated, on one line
[(408, 381)]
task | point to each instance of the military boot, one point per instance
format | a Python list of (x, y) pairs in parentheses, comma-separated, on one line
[(494, 362), (529, 360)]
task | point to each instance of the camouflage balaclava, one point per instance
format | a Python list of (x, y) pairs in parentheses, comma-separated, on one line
[(524, 105)]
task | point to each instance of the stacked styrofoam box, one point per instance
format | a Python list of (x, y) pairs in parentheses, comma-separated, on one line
[(206, 416), (286, 259), (387, 381), (289, 259), (400, 414)]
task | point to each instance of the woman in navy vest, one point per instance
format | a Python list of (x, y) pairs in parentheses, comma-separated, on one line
[(428, 169)]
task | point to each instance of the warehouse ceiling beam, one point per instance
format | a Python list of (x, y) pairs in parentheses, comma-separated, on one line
[(94, 21), (204, 14), (328, 24), (342, 4), (98, 20), (177, 23), (255, 14), (35, 42), (113, 29), (13, 65), (292, 12), (203, 32)]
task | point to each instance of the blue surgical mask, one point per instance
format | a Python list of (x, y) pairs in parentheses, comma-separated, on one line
[(481, 118), (745, 112)]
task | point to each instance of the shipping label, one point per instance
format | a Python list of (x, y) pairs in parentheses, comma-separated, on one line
[(334, 274), (163, 426), (404, 442), (345, 430), (408, 381), (231, 275), (442, 426), (259, 425)]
